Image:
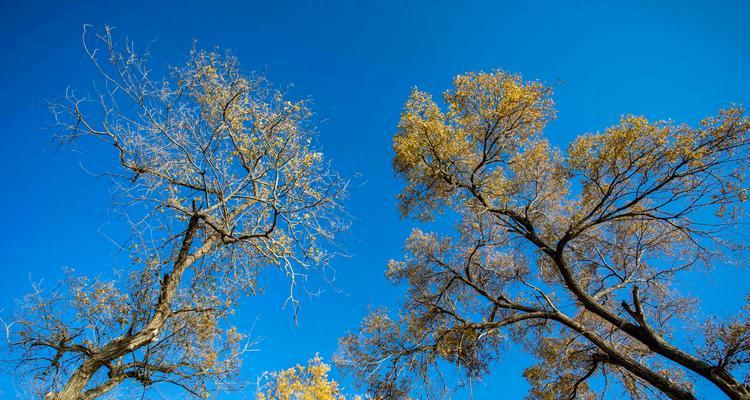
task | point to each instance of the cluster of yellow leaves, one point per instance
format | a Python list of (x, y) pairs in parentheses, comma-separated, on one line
[(423, 130), (489, 117), (302, 382), (481, 100), (636, 150), (484, 109), (221, 100), (619, 146)]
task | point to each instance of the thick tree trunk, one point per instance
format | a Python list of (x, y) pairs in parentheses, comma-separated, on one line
[(673, 390), (642, 332), (76, 384), (718, 376)]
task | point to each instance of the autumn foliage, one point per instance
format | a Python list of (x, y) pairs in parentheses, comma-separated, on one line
[(573, 254), (218, 176)]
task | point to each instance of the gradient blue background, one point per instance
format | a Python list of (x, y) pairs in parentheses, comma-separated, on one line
[(358, 60)]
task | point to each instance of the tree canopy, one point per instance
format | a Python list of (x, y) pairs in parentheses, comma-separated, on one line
[(301, 382), (219, 176), (575, 254)]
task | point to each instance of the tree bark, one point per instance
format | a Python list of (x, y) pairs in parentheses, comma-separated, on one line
[(671, 389), (74, 387), (716, 375)]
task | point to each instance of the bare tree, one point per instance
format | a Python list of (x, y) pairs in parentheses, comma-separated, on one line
[(575, 255), (220, 176)]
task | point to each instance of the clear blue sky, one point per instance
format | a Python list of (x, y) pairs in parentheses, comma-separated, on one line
[(681, 60)]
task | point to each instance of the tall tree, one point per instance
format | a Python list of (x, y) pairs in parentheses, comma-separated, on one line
[(220, 176), (575, 254)]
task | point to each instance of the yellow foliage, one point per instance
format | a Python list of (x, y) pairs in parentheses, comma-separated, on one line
[(488, 117), (302, 382)]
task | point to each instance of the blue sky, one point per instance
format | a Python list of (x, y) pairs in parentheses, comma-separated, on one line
[(358, 60)]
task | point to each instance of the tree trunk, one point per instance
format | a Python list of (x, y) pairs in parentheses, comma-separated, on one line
[(74, 387), (671, 389)]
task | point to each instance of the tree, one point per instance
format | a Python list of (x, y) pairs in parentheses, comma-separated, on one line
[(302, 382), (574, 254), (219, 176)]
